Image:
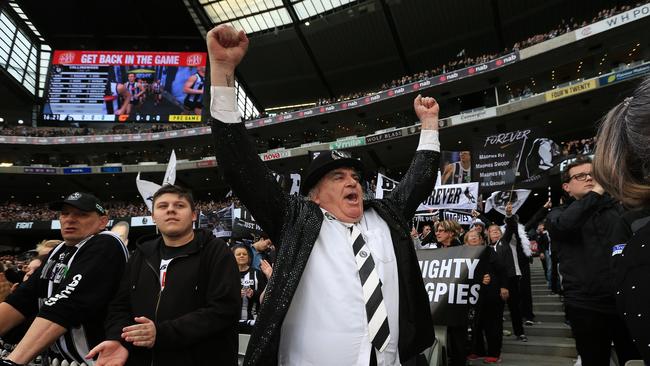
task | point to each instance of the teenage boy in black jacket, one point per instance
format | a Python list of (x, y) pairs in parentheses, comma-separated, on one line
[(181, 289), (585, 231)]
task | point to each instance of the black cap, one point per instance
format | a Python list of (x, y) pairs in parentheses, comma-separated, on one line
[(325, 162), (83, 201)]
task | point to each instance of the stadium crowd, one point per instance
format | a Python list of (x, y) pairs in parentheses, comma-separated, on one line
[(15, 211), (29, 131), (12, 211), (462, 60)]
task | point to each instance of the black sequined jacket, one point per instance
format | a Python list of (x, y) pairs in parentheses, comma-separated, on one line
[(293, 224)]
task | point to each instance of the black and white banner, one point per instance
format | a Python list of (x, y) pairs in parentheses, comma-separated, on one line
[(462, 218), (290, 183), (499, 200), (244, 225), (452, 281), (519, 156), (219, 222), (617, 20), (450, 196), (425, 217)]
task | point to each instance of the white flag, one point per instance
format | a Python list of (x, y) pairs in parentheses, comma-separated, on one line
[(499, 199), (147, 190), (384, 186), (170, 174)]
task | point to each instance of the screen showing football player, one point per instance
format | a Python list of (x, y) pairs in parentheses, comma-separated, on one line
[(193, 89)]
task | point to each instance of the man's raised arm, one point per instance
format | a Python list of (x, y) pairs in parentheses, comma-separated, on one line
[(242, 168), (419, 180)]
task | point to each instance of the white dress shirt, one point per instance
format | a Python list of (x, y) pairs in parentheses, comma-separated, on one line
[(326, 324)]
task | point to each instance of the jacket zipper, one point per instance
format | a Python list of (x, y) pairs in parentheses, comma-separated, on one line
[(157, 273), (155, 316)]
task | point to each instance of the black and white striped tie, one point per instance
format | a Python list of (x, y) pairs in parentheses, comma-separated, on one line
[(378, 330)]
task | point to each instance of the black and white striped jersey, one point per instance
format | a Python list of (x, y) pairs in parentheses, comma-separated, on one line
[(73, 288)]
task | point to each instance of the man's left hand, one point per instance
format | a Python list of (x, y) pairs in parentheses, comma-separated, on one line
[(427, 109), (142, 334)]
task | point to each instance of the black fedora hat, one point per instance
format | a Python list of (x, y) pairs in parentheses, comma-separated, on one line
[(326, 161)]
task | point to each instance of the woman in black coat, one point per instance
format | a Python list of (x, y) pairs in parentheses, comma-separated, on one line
[(622, 167)]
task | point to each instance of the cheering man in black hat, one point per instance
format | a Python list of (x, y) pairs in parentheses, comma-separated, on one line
[(346, 286), (69, 293)]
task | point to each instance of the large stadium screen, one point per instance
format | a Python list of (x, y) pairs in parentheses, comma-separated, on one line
[(114, 86)]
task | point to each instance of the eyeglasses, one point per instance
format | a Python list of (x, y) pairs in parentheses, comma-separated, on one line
[(440, 230), (581, 176)]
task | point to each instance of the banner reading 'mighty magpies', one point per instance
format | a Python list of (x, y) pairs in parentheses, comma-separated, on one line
[(452, 279)]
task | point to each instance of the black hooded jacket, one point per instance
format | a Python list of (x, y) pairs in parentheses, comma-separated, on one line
[(584, 232), (195, 315)]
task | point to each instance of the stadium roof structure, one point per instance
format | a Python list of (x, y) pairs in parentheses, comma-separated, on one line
[(302, 50)]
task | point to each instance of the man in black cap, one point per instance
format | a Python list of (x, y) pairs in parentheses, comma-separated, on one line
[(346, 286), (69, 293)]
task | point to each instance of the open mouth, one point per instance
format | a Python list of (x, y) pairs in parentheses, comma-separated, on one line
[(352, 198)]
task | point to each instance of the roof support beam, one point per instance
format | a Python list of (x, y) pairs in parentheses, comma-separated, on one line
[(296, 26), (498, 27), (388, 15), (204, 24)]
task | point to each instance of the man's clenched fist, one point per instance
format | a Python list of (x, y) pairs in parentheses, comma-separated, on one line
[(226, 48)]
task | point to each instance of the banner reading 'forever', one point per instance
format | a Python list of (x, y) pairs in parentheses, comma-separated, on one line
[(455, 196)]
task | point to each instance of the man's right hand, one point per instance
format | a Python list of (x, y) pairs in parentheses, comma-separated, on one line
[(226, 49), (548, 203), (111, 353), (427, 110), (414, 233), (598, 188)]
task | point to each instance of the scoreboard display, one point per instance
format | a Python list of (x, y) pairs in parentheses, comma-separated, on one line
[(114, 86)]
